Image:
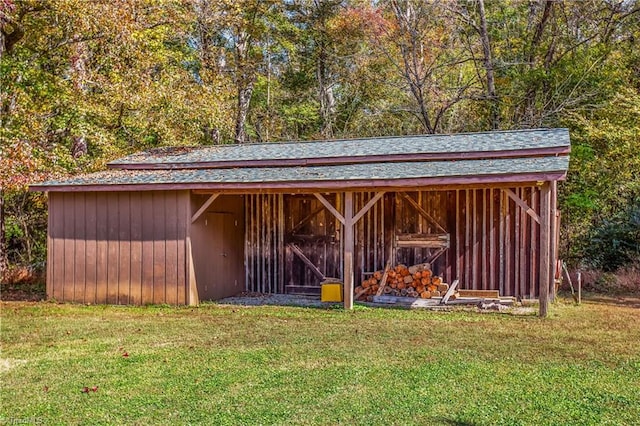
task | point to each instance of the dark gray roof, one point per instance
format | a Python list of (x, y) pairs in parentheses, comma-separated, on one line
[(378, 174), (469, 145), (412, 161)]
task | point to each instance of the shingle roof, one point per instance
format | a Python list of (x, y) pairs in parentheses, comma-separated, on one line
[(534, 155), (381, 174), (464, 145)]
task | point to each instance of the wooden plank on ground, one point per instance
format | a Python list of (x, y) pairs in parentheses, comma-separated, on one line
[(495, 294), (449, 292), (405, 301)]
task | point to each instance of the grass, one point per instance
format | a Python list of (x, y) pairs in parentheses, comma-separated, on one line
[(228, 365)]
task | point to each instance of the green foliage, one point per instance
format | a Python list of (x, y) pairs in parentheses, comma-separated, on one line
[(615, 242), (603, 189), (88, 82), (26, 228)]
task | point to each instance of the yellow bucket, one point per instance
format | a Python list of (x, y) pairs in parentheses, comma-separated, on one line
[(331, 292)]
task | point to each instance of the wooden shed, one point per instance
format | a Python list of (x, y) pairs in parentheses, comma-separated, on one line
[(182, 225)]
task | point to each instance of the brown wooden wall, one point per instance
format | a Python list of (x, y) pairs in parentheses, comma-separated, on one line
[(217, 247), (264, 243), (118, 247), (494, 244)]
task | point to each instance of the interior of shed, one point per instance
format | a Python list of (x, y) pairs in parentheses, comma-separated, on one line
[(487, 238)]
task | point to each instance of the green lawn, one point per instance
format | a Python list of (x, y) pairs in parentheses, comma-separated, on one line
[(287, 365)]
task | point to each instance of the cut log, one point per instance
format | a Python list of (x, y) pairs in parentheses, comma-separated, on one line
[(408, 279), (360, 293), (442, 288), (419, 267)]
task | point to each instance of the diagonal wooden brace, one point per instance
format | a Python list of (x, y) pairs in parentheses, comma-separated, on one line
[(329, 207), (204, 207), (422, 211), (523, 205)]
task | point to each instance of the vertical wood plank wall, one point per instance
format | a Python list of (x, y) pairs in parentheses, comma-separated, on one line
[(264, 254), (494, 243), (130, 247), (118, 247)]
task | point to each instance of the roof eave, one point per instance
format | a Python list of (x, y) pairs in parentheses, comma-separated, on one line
[(323, 161), (314, 186)]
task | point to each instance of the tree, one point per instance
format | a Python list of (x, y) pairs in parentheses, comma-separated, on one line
[(231, 36), (421, 41)]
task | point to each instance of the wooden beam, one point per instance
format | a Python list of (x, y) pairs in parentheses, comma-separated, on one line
[(492, 294), (309, 190), (423, 240), (422, 212), (436, 255), (367, 206), (449, 293), (383, 280), (204, 207), (329, 207), (347, 275), (440, 183), (192, 287), (545, 242), (298, 252), (523, 204), (553, 237)]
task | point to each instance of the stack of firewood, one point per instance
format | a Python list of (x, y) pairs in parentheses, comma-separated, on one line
[(413, 281)]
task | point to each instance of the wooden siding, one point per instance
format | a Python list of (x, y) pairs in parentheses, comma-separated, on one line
[(494, 243), (265, 255), (118, 247)]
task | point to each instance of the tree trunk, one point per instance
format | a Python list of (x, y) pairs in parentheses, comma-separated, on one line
[(9, 39), (488, 66), (531, 117), (325, 93), (245, 92), (244, 80)]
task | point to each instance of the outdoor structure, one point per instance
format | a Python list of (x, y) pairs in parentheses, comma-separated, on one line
[(182, 225)]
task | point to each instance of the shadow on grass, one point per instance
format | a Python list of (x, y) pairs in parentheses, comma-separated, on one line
[(631, 301), (24, 292)]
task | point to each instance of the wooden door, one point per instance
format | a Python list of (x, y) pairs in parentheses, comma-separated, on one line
[(225, 268)]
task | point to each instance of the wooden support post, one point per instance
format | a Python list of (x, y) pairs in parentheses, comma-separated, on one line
[(348, 250), (545, 244), (553, 237), (579, 287)]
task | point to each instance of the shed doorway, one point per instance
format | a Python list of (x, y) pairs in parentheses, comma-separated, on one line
[(218, 249)]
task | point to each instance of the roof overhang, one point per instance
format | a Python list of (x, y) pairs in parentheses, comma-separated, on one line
[(470, 160)]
